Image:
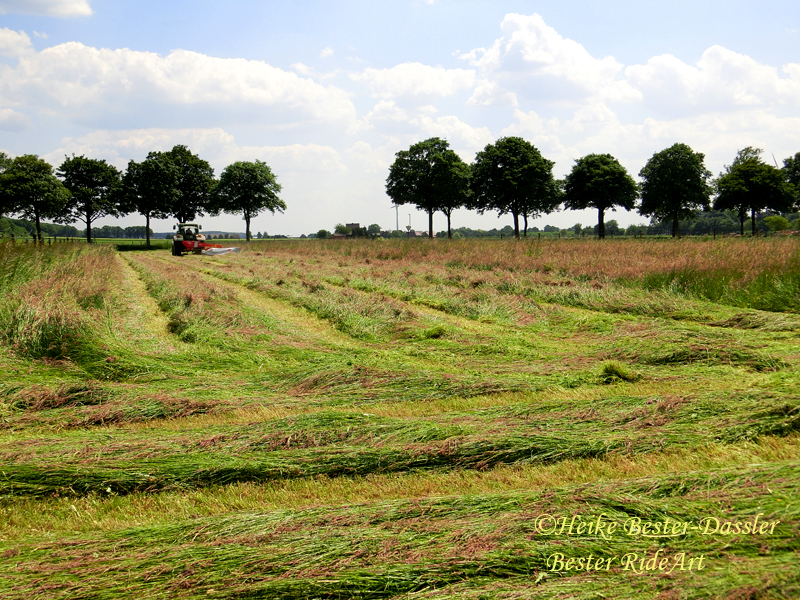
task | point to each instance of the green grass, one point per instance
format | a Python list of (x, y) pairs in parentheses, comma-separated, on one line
[(387, 419)]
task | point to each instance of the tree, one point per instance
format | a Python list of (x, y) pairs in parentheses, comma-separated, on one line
[(749, 184), (5, 163), (511, 176), (90, 181), (430, 176), (599, 181), (248, 188), (194, 184), (675, 185), (149, 188), (777, 223), (791, 168), (29, 187), (342, 229), (374, 230), (323, 234)]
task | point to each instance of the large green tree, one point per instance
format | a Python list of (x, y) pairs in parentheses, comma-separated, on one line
[(5, 162), (29, 188), (791, 169), (194, 184), (248, 188), (675, 185), (599, 181), (430, 176), (149, 188), (511, 176), (749, 184), (91, 182)]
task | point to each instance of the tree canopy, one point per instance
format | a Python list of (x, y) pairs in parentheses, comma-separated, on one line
[(749, 184), (29, 188), (5, 203), (430, 176), (511, 176), (149, 188), (194, 184), (675, 184), (791, 168), (599, 181), (91, 182), (248, 188)]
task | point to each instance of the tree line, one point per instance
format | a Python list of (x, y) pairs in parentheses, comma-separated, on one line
[(512, 177), (175, 184)]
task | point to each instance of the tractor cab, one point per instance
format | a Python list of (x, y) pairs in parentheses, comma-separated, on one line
[(188, 238), (189, 232)]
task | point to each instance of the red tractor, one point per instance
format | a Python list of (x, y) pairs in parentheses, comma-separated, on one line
[(189, 239)]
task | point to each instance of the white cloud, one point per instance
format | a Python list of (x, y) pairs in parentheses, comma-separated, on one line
[(415, 79), (100, 83), (301, 68), (50, 8), (14, 43), (530, 55), (40, 34), (214, 144), (721, 80), (326, 52), (11, 120)]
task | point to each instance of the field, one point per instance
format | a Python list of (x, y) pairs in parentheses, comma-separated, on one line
[(402, 419)]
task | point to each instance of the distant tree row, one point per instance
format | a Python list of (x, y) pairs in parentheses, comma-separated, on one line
[(175, 184), (512, 177)]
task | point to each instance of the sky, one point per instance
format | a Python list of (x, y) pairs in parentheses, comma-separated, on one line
[(327, 92)]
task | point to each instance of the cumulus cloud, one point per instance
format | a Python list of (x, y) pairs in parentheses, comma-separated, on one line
[(530, 55), (326, 52), (14, 43), (90, 82), (415, 79), (721, 80), (11, 120), (49, 8), (213, 144)]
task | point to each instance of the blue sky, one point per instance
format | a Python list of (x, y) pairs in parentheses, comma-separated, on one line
[(328, 92)]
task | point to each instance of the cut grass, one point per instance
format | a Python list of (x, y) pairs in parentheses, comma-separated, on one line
[(267, 416)]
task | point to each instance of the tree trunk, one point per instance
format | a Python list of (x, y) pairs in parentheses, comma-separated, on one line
[(676, 227), (516, 224), (88, 230), (430, 223), (247, 222), (742, 215), (38, 225), (449, 233), (601, 224), (525, 222), (147, 229), (753, 220)]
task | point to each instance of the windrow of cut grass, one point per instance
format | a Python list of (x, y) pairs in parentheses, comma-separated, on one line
[(456, 545), (347, 444)]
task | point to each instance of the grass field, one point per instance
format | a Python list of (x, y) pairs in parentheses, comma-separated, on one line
[(402, 419)]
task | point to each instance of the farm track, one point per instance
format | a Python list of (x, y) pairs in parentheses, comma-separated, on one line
[(260, 441)]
